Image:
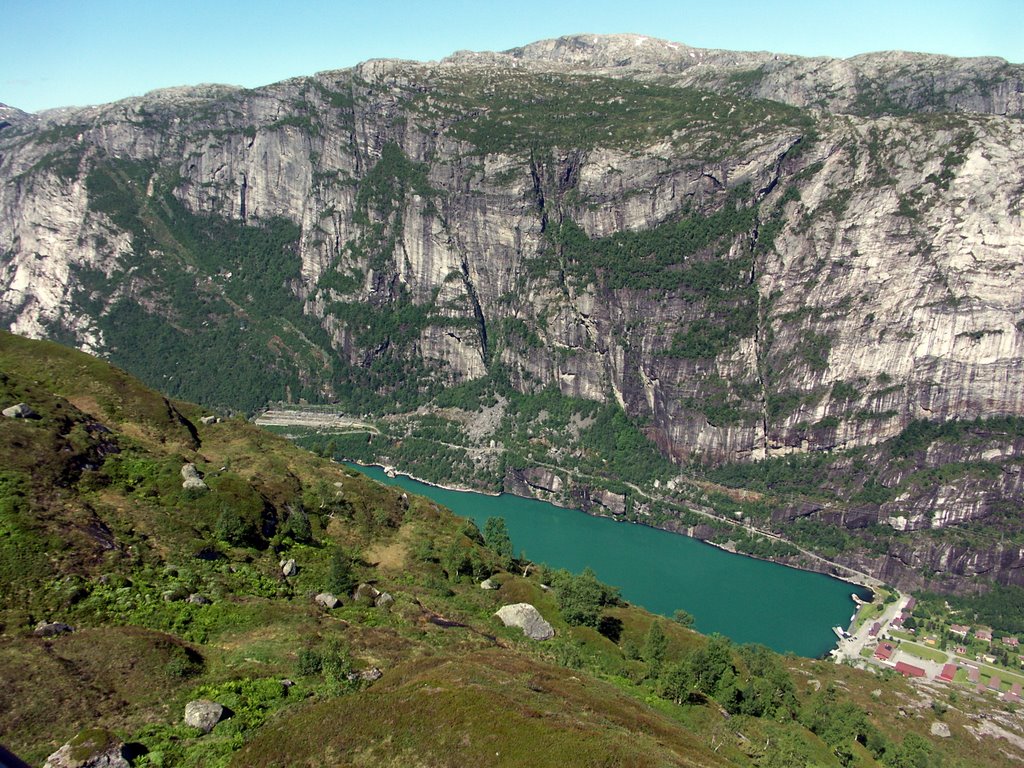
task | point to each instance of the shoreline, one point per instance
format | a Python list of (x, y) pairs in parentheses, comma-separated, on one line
[(386, 468), (851, 577)]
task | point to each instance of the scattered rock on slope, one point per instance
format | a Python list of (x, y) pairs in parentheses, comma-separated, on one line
[(940, 729), (327, 600), (528, 619), (92, 748), (52, 629), (20, 411), (203, 714), (193, 481)]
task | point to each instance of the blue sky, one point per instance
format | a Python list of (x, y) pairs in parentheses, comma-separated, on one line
[(65, 52)]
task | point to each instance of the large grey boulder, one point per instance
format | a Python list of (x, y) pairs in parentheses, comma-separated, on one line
[(288, 567), (203, 714), (528, 619), (208, 420), (192, 480), (19, 411), (91, 748), (327, 600), (384, 600)]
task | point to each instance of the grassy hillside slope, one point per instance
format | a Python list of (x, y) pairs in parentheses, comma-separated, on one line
[(179, 594)]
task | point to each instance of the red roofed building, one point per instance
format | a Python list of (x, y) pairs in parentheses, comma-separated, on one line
[(984, 634), (910, 606), (995, 683), (875, 629), (960, 630), (1013, 694), (883, 651), (909, 670), (973, 674), (1013, 642), (948, 671)]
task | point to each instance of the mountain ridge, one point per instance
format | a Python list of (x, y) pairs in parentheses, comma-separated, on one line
[(742, 278)]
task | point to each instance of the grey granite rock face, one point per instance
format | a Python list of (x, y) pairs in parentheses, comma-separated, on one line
[(884, 261), (897, 253)]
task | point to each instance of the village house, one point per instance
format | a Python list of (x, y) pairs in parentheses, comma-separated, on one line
[(909, 670)]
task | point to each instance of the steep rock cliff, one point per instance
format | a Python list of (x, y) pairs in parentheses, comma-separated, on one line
[(753, 255)]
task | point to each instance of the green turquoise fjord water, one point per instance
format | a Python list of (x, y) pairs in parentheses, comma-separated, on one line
[(747, 600)]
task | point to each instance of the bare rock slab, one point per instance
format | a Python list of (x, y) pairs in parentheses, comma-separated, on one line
[(528, 619)]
